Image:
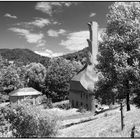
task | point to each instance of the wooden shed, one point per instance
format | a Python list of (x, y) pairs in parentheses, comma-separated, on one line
[(19, 94)]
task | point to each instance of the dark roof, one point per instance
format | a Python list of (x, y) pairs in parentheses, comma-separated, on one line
[(25, 92), (76, 86)]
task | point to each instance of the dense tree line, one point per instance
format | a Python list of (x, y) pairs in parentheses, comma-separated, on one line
[(78, 56), (52, 80), (23, 56)]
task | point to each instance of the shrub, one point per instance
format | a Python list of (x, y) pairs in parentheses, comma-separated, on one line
[(47, 103), (63, 105), (28, 121), (82, 110), (4, 98), (136, 101), (5, 130)]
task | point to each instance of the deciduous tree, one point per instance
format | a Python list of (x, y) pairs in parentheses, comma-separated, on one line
[(119, 52)]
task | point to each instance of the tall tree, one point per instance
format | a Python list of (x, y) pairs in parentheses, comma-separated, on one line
[(10, 79), (35, 75), (58, 76), (119, 52)]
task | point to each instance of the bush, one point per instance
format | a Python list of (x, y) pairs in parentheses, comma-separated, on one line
[(28, 121), (63, 105), (4, 98), (136, 101), (47, 103), (5, 126), (82, 110)]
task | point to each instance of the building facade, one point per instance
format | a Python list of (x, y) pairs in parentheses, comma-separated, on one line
[(20, 94), (79, 97), (82, 85)]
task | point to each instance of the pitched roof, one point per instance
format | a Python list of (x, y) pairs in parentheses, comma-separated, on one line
[(79, 74), (25, 92), (76, 86)]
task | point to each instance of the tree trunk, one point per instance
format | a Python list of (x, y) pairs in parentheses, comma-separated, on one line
[(127, 96), (127, 101)]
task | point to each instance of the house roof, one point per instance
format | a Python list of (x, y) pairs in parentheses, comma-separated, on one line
[(76, 86), (25, 92), (84, 80), (79, 74)]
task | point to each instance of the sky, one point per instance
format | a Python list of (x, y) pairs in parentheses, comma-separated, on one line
[(50, 28)]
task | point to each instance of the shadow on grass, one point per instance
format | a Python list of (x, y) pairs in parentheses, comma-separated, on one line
[(82, 121)]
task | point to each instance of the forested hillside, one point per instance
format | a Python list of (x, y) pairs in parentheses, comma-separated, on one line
[(22, 55), (28, 56), (78, 56)]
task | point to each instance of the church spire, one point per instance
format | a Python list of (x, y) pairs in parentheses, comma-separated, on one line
[(93, 41)]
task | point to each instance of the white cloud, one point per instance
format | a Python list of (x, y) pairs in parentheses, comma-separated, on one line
[(55, 33), (51, 7), (30, 37), (56, 22), (78, 40), (10, 16), (38, 22), (92, 15), (48, 53)]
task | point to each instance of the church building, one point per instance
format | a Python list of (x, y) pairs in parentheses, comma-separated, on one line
[(82, 84)]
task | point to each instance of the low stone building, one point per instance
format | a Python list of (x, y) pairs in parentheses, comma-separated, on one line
[(22, 93)]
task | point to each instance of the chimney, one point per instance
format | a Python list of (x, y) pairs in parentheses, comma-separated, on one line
[(93, 41)]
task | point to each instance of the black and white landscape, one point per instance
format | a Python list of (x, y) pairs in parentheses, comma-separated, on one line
[(69, 69)]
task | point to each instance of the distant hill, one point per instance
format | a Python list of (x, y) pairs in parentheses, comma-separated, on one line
[(78, 56), (22, 55), (27, 56)]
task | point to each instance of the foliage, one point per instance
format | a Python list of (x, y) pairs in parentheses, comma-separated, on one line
[(4, 98), (9, 79), (80, 56), (119, 52), (82, 109), (24, 56), (3, 62), (4, 124), (46, 102), (35, 74), (63, 105), (59, 73), (28, 121)]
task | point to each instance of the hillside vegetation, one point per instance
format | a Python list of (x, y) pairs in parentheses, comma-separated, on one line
[(22, 55), (27, 56)]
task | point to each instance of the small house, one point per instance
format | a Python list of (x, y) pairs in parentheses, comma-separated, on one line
[(79, 96), (22, 93)]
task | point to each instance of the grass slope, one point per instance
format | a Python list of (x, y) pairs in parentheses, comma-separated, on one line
[(106, 125)]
